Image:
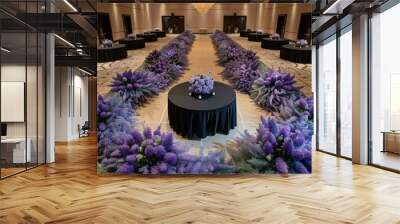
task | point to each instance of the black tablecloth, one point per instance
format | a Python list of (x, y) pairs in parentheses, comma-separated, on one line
[(245, 33), (131, 44), (296, 54), (257, 36), (273, 44), (148, 37), (191, 117), (159, 33), (113, 53)]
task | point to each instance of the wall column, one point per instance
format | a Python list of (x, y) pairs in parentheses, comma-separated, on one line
[(360, 90)]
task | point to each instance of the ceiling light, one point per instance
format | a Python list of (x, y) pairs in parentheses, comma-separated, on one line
[(64, 40), (202, 7), (5, 50), (86, 72), (70, 5)]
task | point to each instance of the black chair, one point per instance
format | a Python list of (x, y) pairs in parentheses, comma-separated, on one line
[(84, 130)]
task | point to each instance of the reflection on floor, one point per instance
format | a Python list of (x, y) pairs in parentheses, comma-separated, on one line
[(386, 159), (202, 59), (70, 191)]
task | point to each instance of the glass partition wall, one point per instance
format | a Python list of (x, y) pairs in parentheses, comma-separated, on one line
[(385, 89), (22, 76), (334, 94)]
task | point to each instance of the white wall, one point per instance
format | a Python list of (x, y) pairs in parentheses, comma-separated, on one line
[(71, 103)]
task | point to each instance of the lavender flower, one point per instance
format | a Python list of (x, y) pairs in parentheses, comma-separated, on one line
[(272, 89), (278, 147)]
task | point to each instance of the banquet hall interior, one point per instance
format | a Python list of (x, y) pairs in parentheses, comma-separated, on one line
[(291, 21)]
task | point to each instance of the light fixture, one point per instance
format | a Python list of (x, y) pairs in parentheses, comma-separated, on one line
[(64, 40), (203, 7), (86, 72), (70, 5), (337, 7), (5, 50)]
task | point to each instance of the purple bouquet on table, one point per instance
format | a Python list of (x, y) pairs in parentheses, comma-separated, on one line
[(201, 85), (302, 43), (107, 43), (131, 36), (275, 36)]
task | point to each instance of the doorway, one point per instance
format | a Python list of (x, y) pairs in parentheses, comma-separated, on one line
[(281, 24), (127, 24), (173, 24), (305, 27), (233, 24), (104, 29)]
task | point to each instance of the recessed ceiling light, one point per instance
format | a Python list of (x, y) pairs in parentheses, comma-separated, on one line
[(5, 50), (64, 40), (70, 5)]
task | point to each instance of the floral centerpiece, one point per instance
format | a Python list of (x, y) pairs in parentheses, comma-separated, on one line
[(259, 32), (107, 43), (131, 36), (201, 86), (275, 36), (301, 43)]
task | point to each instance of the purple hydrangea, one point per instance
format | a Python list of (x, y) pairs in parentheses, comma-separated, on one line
[(275, 36), (302, 43), (201, 84)]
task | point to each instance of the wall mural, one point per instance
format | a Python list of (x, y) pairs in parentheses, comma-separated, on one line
[(281, 143)]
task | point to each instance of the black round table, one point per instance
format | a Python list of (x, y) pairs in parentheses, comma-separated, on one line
[(148, 37), (194, 118), (296, 54), (273, 44), (116, 52), (257, 37), (159, 33), (245, 33), (132, 44)]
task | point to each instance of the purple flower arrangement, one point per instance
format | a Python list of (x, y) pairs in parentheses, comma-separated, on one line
[(302, 43), (153, 152), (272, 89), (241, 65), (276, 148), (131, 36), (136, 87), (275, 36), (113, 115), (201, 84), (107, 43)]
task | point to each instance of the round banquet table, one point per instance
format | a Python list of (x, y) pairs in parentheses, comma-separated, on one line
[(148, 37), (159, 33), (132, 44), (273, 44), (245, 33), (257, 36), (191, 117), (116, 52), (296, 54)]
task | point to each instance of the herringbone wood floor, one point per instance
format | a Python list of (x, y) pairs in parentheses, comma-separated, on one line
[(70, 191)]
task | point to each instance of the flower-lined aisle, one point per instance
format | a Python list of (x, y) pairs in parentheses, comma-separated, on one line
[(122, 148), (283, 141)]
